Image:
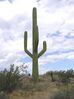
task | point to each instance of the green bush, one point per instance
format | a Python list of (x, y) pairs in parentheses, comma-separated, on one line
[(9, 79)]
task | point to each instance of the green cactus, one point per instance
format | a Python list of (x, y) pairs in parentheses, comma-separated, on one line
[(35, 40)]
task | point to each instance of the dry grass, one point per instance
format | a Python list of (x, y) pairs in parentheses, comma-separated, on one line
[(40, 90), (43, 89)]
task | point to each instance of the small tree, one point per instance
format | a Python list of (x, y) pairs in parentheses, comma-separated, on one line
[(9, 79)]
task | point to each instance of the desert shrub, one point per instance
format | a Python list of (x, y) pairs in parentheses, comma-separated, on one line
[(64, 77), (64, 94), (70, 73), (9, 79)]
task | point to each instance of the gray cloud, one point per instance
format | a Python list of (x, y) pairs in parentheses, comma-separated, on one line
[(56, 23)]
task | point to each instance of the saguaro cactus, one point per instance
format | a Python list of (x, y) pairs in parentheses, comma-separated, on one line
[(35, 40)]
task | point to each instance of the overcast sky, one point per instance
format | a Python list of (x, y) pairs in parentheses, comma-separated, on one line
[(56, 27)]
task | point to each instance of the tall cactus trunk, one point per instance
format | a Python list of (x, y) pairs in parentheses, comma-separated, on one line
[(35, 41), (35, 73), (35, 45)]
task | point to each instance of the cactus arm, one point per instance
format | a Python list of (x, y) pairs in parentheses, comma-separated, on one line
[(43, 50), (25, 45)]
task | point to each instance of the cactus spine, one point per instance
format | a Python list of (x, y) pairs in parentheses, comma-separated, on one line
[(35, 41)]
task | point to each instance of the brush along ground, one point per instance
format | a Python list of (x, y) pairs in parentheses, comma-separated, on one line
[(33, 90), (43, 89), (36, 92)]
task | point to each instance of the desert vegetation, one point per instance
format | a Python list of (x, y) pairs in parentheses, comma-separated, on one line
[(52, 85)]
